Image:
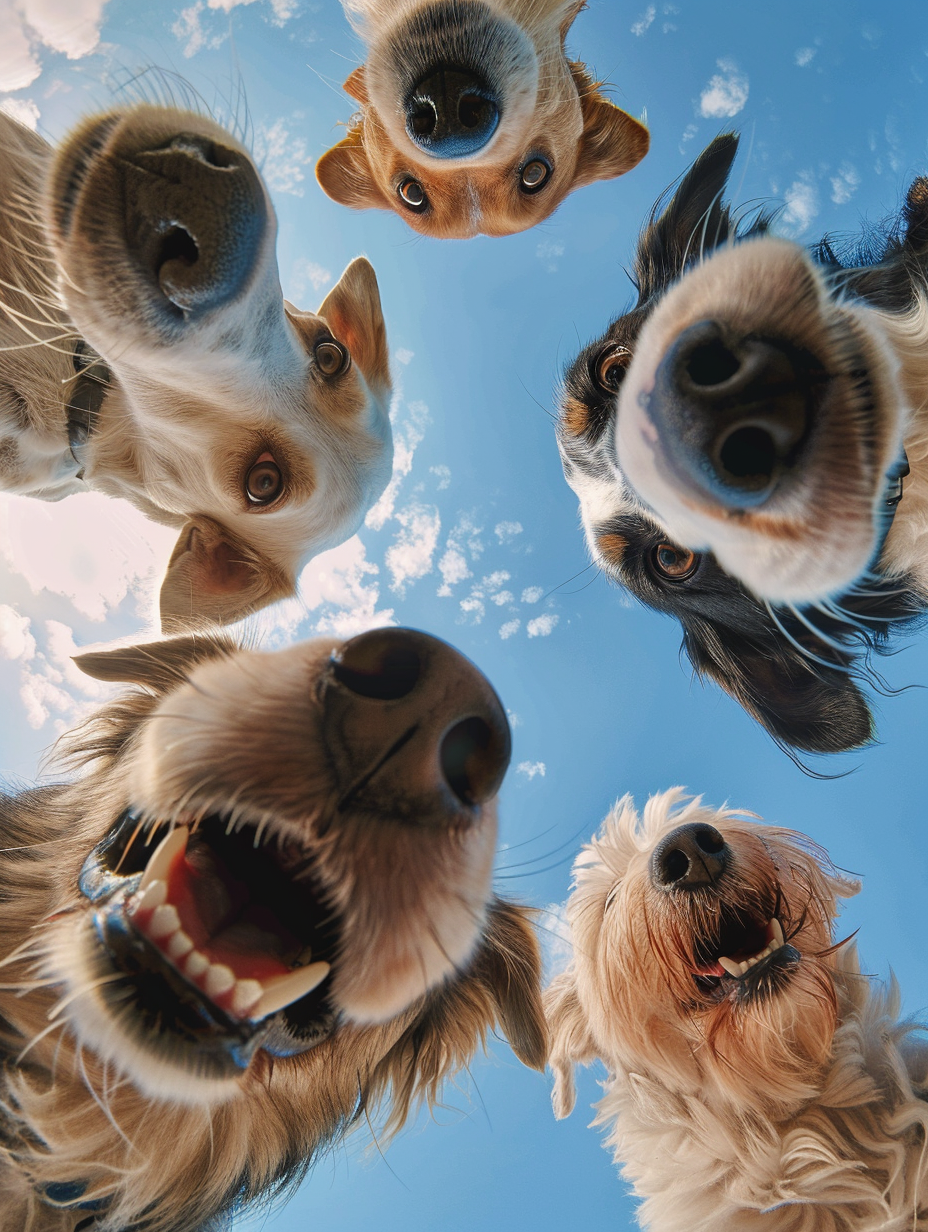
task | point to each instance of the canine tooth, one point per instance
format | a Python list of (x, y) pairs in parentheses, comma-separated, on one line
[(179, 945), (164, 921), (246, 994), (285, 989), (777, 933), (158, 867), (219, 979), (153, 896), (195, 965), (729, 964)]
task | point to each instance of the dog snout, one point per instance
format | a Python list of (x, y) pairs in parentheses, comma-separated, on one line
[(452, 113), (196, 217), (733, 412), (415, 730), (691, 857)]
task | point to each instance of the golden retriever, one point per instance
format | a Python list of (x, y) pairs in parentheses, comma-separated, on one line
[(263, 909)]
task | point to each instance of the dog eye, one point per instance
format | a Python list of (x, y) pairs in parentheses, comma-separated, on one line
[(332, 359), (534, 175), (264, 482), (674, 562), (611, 368), (412, 195)]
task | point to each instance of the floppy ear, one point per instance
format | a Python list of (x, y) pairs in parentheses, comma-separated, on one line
[(214, 577), (508, 965), (159, 666), (812, 708), (356, 84), (570, 1039), (613, 141), (352, 309), (345, 174)]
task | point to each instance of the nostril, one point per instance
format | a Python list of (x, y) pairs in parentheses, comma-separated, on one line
[(178, 244), (712, 363), (378, 665), (674, 866), (473, 110), (749, 452), (471, 762), (708, 839), (423, 118)]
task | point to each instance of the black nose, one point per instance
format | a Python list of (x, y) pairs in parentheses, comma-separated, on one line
[(733, 412), (690, 857), (196, 216), (451, 113), (415, 730)]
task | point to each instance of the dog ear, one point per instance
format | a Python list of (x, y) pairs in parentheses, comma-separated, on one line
[(571, 1042), (159, 666), (695, 219), (356, 84), (352, 309), (508, 964), (803, 705), (345, 174), (612, 142), (213, 576)]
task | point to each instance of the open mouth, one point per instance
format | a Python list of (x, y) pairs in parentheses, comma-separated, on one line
[(745, 956), (225, 941)]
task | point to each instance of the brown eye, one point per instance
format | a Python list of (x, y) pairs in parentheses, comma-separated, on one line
[(412, 195), (331, 357), (611, 368), (264, 482), (674, 562), (534, 175)]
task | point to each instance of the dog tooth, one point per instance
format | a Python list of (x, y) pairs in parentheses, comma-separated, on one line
[(159, 865), (752, 962), (246, 994), (195, 965), (164, 922), (153, 896), (219, 979), (729, 964), (777, 932), (179, 946), (285, 989)]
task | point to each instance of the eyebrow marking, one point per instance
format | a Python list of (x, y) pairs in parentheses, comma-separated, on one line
[(575, 415), (613, 547)]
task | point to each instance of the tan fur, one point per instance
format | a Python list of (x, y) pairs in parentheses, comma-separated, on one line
[(557, 111), (804, 1111), (196, 395), (213, 727)]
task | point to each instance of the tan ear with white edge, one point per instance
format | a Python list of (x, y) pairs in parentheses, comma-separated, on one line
[(354, 315), (356, 84), (214, 578), (344, 174), (570, 1040), (613, 141), (159, 666)]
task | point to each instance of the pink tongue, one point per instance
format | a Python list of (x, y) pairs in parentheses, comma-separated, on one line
[(715, 968)]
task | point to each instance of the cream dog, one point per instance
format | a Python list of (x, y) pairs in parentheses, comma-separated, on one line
[(148, 353), (473, 120)]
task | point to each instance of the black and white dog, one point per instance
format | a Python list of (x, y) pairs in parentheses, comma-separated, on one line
[(741, 440)]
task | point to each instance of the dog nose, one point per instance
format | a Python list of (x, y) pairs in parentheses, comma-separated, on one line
[(196, 215), (734, 412), (415, 730), (451, 113), (691, 857)]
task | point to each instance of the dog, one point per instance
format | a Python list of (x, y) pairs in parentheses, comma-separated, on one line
[(148, 353), (755, 1080), (472, 119), (736, 443), (263, 910)]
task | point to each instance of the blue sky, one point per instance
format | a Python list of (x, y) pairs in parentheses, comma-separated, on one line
[(478, 539)]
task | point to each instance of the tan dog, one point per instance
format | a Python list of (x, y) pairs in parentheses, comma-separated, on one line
[(259, 430), (755, 1081), (473, 121), (265, 908)]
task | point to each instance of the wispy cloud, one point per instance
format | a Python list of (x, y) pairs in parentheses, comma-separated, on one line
[(507, 531), (805, 55), (204, 25), (542, 626), (644, 21), (531, 769), (410, 555), (726, 93), (844, 184), (282, 159), (801, 207)]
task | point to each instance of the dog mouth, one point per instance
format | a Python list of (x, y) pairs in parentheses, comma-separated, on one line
[(224, 942), (746, 957)]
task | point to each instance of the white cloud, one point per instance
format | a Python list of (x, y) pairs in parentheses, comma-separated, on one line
[(282, 157), (407, 436), (504, 596), (443, 475), (532, 594), (16, 642), (22, 109), (726, 93), (547, 252), (305, 274), (644, 21), (805, 55), (801, 207), (531, 769), (505, 531), (542, 626), (844, 184), (453, 569), (473, 608), (70, 27), (510, 628), (409, 557), (557, 947), (404, 355), (191, 30), (340, 588)]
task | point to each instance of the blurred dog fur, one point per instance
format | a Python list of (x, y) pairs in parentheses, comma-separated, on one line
[(815, 360), (128, 1099), (148, 353), (786, 1097), (548, 130)]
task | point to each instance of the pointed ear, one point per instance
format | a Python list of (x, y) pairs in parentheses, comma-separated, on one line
[(571, 1042), (213, 577), (352, 309), (803, 705), (613, 141), (356, 84), (345, 174), (159, 666)]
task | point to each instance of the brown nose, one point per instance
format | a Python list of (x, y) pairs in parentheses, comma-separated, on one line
[(691, 857), (414, 730)]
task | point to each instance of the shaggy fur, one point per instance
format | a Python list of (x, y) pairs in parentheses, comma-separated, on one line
[(259, 430), (786, 1099), (370, 810), (550, 112), (816, 370)]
